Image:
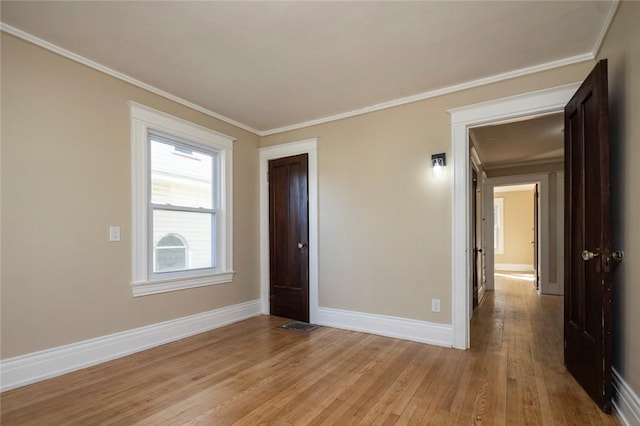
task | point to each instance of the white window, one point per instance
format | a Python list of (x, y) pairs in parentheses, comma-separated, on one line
[(181, 182), (498, 225)]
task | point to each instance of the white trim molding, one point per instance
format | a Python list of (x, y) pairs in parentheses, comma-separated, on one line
[(438, 92), (613, 9), (543, 225), (34, 367), (376, 107), (163, 286), (626, 402), (383, 325), (462, 119), (309, 147), (498, 205), (143, 282), (120, 76)]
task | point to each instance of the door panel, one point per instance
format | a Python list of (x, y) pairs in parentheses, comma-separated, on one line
[(536, 240), (587, 227), (289, 237), (474, 237)]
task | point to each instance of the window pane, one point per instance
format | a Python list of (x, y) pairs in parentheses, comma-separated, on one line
[(171, 259), (171, 254), (195, 238), (178, 179), (171, 241)]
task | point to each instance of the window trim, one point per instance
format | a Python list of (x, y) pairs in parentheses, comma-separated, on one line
[(143, 120), (498, 243)]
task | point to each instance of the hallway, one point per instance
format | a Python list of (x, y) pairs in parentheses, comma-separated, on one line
[(520, 334)]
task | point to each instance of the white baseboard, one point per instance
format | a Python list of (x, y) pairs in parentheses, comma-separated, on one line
[(34, 367), (626, 403), (481, 292), (402, 328), (519, 267)]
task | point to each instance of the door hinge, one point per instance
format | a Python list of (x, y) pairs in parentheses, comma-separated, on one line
[(617, 255)]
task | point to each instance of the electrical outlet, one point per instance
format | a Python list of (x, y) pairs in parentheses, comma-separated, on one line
[(435, 305), (114, 233)]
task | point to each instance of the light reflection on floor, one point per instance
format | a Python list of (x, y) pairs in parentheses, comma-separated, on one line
[(517, 275)]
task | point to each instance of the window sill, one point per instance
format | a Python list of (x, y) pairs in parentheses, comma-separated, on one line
[(145, 288)]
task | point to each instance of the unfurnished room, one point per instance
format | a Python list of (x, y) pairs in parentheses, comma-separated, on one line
[(318, 212)]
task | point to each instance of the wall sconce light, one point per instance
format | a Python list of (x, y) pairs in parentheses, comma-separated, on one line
[(438, 161)]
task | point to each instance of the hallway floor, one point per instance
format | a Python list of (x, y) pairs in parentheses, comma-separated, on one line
[(520, 335)]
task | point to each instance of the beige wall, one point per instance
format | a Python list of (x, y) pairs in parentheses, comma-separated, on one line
[(384, 221), (622, 49), (518, 227), (65, 179)]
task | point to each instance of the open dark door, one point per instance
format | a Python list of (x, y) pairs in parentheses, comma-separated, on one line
[(587, 283), (475, 261), (289, 237), (536, 230)]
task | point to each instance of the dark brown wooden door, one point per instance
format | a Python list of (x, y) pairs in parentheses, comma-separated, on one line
[(587, 286), (477, 251), (536, 241), (289, 237)]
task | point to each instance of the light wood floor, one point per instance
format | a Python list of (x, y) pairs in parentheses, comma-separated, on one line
[(253, 373)]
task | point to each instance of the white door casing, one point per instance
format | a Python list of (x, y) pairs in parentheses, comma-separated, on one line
[(307, 146), (503, 110), (543, 227)]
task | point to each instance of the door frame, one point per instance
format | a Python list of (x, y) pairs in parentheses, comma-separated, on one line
[(503, 110), (309, 147), (543, 227)]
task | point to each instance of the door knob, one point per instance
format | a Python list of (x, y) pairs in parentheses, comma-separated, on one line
[(588, 255), (302, 245)]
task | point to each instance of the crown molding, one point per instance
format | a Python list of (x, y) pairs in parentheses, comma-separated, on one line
[(524, 163), (438, 92), (605, 28), (121, 76), (372, 108)]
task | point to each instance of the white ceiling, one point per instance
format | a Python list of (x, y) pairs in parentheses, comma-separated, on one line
[(539, 139), (272, 65)]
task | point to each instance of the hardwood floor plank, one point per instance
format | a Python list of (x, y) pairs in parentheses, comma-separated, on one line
[(253, 373), (395, 399)]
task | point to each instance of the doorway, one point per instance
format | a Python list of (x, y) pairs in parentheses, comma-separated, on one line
[(309, 147), (549, 261), (516, 231), (462, 119), (523, 212), (289, 237)]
